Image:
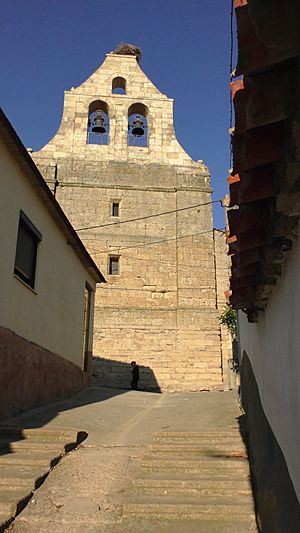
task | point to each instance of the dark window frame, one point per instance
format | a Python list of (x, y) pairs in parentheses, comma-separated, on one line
[(113, 260), (26, 250), (115, 208)]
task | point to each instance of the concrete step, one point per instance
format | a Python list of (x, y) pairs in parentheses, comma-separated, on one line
[(192, 482), (31, 447), (31, 481), (198, 475), (18, 485), (188, 511), (212, 463), (222, 448), (199, 440), (13, 501), (52, 524), (198, 434), (192, 487), (208, 499), (195, 470), (60, 433), (188, 446), (208, 453), (155, 525), (38, 458), (223, 459), (9, 473), (26, 457)]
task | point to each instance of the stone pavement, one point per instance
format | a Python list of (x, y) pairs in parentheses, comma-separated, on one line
[(151, 463)]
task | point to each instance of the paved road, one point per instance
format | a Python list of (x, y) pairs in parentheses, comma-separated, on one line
[(90, 488)]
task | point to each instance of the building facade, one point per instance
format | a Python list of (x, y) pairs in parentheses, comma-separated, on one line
[(143, 209), (47, 291), (265, 250)]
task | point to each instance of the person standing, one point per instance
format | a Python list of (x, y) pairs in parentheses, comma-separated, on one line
[(135, 375)]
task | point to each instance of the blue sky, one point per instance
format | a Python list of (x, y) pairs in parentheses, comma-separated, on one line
[(48, 46)]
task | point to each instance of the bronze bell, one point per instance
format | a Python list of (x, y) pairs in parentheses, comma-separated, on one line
[(98, 123), (138, 127)]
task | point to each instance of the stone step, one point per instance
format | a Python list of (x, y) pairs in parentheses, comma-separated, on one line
[(32, 447), (141, 525), (17, 485), (204, 446), (183, 511), (199, 440), (184, 445), (60, 433), (203, 469), (52, 523), (212, 462), (191, 487), (229, 500), (13, 501), (27, 457), (12, 472), (205, 453), (196, 434), (38, 458), (203, 475), (236, 436)]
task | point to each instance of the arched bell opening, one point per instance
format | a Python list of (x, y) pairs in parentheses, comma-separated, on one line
[(138, 125), (119, 85), (98, 123)]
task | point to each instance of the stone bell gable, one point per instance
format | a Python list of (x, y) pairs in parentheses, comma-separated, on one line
[(143, 209)]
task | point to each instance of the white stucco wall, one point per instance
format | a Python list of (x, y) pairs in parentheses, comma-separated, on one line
[(52, 314), (273, 346)]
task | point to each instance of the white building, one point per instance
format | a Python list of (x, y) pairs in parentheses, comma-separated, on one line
[(48, 282), (265, 249)]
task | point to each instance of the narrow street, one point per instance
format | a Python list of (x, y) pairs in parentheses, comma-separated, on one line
[(150, 462)]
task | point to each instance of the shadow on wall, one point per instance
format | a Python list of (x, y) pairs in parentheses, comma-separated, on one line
[(116, 374), (277, 506)]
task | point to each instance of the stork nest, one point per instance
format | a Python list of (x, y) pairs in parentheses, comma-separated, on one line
[(126, 49)]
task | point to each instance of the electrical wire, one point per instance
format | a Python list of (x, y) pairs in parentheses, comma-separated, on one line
[(149, 216), (117, 249)]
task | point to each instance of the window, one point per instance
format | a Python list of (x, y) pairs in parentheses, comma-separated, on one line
[(114, 265), (98, 123), (26, 252), (119, 85), (115, 211), (137, 125)]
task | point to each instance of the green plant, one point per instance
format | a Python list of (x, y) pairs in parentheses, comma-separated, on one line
[(229, 319)]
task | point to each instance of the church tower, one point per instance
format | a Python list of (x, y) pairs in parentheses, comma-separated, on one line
[(142, 208)]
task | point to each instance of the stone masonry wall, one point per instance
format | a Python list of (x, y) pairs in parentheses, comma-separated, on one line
[(230, 378), (161, 309)]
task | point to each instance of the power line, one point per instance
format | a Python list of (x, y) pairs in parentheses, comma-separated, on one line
[(150, 216), (139, 289), (117, 249)]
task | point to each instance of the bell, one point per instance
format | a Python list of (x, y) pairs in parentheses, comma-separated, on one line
[(138, 127), (98, 123)]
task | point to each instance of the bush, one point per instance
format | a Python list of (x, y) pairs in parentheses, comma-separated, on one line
[(229, 319)]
